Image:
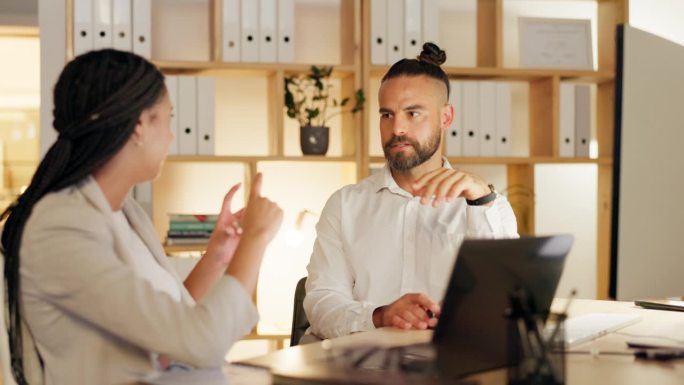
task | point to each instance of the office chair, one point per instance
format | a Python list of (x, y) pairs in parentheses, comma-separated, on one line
[(299, 321)]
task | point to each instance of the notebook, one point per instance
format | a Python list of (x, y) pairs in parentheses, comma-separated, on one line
[(674, 304)]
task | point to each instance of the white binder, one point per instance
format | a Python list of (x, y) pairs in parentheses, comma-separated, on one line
[(187, 115), (83, 26), (487, 123), (378, 32), (430, 22), (231, 30), (504, 119), (122, 37), (471, 118), (172, 89), (413, 20), (206, 91), (566, 137), (249, 47), (267, 23), (454, 134), (142, 193), (582, 120), (102, 24), (142, 28), (286, 21), (395, 33)]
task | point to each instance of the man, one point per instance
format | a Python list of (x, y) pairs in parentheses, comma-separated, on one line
[(385, 246)]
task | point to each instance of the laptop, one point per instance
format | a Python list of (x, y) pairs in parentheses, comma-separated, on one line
[(472, 333)]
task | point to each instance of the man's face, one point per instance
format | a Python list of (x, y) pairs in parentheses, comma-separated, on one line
[(413, 115)]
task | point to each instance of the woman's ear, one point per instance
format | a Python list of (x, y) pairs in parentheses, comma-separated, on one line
[(139, 130)]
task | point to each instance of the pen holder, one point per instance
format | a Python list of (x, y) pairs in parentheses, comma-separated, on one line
[(536, 355)]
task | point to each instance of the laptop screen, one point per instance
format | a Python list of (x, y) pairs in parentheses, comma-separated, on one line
[(472, 333)]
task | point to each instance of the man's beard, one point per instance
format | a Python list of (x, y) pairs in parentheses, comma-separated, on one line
[(422, 152)]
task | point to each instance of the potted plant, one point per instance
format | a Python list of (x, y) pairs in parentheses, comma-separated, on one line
[(308, 99)]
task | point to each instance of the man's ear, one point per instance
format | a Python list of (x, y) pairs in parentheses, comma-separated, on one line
[(447, 116)]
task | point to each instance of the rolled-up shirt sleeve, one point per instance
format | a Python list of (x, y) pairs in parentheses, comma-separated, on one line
[(496, 221)]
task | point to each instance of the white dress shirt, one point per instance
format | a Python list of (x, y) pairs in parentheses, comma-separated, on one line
[(376, 242)]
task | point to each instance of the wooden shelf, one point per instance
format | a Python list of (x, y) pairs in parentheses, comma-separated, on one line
[(242, 69), (519, 74), (516, 160), (254, 159)]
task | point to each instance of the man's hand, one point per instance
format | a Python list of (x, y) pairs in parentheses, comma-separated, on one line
[(411, 311), (447, 184)]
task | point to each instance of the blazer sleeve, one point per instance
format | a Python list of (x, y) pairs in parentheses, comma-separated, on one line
[(68, 260)]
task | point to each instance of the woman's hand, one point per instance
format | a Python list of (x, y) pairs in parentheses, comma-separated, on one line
[(227, 233), (262, 217)]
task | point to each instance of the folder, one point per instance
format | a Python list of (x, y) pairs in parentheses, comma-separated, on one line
[(102, 24), (249, 47), (142, 28), (172, 89), (187, 115), (430, 24), (582, 120), (454, 134), (395, 33), (471, 118), (122, 38), (566, 137), (378, 32), (206, 121), (487, 124), (142, 193), (504, 119), (286, 21), (413, 18), (268, 31), (231, 30), (83, 26)]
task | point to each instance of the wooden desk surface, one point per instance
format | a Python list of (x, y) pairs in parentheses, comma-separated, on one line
[(582, 369)]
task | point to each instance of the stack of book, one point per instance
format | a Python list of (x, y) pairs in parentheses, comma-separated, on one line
[(187, 229)]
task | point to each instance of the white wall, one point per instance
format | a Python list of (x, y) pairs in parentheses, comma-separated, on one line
[(659, 17)]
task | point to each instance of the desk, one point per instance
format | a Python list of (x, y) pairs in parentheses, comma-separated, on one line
[(582, 369)]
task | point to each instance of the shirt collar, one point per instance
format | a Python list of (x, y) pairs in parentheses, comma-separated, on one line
[(386, 181)]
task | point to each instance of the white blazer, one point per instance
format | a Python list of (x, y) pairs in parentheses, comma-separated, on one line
[(94, 320)]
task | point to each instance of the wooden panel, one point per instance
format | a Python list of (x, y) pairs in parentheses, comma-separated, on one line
[(216, 30), (489, 33), (544, 114), (603, 217), (350, 31), (520, 193), (276, 95), (605, 119), (610, 14), (349, 132)]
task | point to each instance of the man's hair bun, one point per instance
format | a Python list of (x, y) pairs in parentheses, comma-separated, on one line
[(432, 54)]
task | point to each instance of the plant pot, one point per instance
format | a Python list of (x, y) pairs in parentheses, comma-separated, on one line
[(314, 139)]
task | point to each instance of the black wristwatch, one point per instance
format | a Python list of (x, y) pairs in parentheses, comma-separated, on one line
[(484, 199)]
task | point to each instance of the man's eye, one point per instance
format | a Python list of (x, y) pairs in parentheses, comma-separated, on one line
[(414, 114), (385, 115)]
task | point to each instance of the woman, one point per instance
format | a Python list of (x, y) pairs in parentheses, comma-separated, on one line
[(83, 265)]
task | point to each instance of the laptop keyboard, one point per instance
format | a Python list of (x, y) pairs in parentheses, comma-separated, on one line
[(591, 326)]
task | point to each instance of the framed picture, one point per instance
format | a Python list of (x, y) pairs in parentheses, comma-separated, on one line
[(555, 43)]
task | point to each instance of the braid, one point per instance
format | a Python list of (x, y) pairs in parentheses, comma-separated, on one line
[(98, 99), (427, 63)]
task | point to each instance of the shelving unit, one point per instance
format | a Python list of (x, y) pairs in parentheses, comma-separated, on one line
[(353, 70)]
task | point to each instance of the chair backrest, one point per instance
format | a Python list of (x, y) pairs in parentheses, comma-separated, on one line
[(299, 321), (7, 378)]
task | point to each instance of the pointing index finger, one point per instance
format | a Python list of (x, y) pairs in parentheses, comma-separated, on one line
[(256, 186)]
